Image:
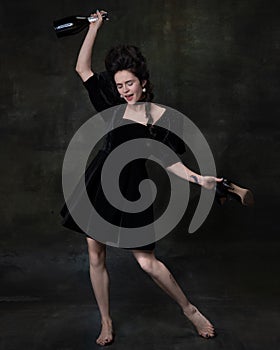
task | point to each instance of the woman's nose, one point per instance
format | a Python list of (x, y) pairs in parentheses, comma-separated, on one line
[(125, 88)]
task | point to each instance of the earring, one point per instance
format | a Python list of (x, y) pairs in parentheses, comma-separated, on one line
[(144, 89), (121, 96)]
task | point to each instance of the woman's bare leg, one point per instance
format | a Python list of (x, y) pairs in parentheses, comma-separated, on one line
[(100, 284), (162, 276)]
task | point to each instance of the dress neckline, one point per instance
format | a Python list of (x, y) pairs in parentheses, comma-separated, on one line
[(146, 124)]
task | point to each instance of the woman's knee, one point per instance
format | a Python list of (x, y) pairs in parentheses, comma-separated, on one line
[(97, 253), (146, 263)]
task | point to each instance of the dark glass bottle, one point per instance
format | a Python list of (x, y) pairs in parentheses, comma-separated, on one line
[(73, 24)]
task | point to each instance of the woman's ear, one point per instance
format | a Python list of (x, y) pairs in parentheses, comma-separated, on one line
[(144, 82)]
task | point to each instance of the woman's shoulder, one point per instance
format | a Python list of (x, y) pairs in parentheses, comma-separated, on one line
[(100, 79), (102, 91)]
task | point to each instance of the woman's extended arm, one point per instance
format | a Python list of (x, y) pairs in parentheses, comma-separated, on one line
[(83, 65), (185, 173)]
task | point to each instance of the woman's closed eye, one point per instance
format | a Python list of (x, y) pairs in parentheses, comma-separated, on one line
[(127, 83)]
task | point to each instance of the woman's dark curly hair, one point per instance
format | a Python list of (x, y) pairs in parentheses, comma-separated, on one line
[(129, 57)]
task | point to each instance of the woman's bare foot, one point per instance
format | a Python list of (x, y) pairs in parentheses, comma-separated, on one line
[(204, 328), (106, 335)]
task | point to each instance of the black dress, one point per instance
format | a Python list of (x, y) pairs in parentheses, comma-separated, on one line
[(103, 95)]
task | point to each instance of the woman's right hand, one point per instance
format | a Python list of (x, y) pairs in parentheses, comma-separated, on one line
[(83, 65), (96, 25)]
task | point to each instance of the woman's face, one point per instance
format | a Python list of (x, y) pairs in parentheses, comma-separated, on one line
[(129, 86)]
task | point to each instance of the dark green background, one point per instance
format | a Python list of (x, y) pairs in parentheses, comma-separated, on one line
[(215, 61)]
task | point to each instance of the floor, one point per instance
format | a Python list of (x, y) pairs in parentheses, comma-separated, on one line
[(231, 274)]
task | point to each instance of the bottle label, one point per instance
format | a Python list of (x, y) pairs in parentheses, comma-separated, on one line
[(66, 25)]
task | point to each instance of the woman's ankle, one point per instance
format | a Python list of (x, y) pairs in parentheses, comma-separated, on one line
[(188, 308)]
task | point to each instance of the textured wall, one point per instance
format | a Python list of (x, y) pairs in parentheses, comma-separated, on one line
[(216, 61)]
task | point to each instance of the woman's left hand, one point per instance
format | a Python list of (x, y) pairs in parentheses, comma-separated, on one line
[(209, 182)]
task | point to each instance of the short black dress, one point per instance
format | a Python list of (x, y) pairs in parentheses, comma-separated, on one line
[(104, 95)]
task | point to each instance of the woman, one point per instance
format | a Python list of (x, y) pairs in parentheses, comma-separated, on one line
[(126, 68)]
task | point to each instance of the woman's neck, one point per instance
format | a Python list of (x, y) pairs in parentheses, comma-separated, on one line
[(138, 107)]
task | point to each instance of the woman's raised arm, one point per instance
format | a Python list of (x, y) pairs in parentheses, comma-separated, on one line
[(83, 65)]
